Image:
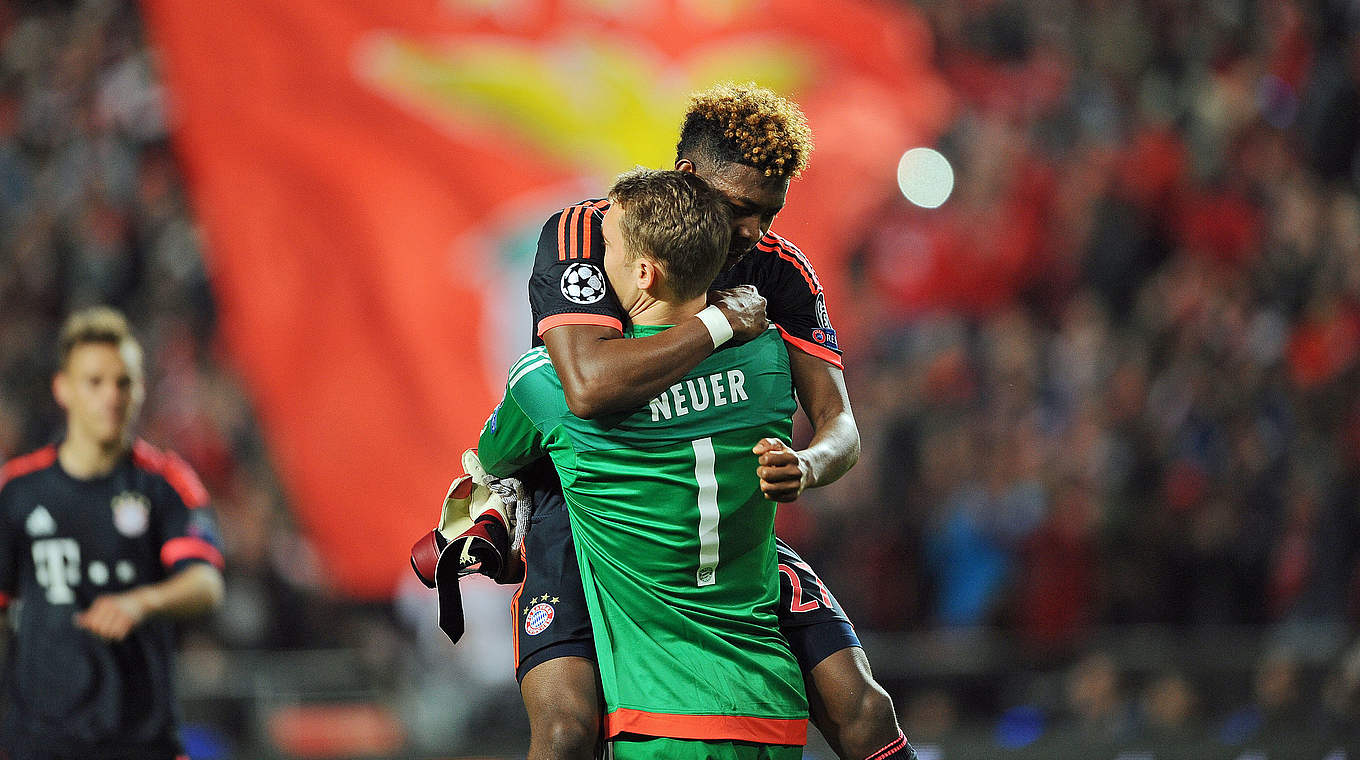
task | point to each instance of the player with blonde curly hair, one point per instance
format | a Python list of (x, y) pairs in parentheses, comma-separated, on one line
[(748, 125)]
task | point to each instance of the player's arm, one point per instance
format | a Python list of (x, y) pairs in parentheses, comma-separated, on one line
[(798, 306), (601, 373), (509, 439), (189, 552), (581, 322), (194, 590), (834, 448)]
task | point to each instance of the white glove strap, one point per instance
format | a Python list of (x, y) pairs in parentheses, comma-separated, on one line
[(718, 327)]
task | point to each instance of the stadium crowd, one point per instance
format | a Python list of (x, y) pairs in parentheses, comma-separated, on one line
[(94, 211), (1111, 382)]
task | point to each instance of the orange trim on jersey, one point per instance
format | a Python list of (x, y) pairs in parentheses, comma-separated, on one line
[(5, 599), (798, 263), (30, 462), (706, 727), (807, 276), (808, 347), (176, 472), (598, 207), (587, 240), (573, 234), (573, 229), (561, 235), (562, 320), (189, 547), (514, 605)]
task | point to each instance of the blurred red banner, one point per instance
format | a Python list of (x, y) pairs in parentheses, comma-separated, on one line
[(371, 176)]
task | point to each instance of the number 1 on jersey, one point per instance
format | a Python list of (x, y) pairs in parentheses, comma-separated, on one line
[(708, 511)]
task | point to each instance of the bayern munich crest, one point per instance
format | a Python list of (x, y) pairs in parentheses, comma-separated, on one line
[(131, 513), (583, 283), (539, 615)]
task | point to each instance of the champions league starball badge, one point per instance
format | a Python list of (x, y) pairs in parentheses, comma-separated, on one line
[(131, 513), (583, 283)]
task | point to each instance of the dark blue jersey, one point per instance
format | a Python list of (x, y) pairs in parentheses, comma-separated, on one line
[(64, 542), (568, 285)]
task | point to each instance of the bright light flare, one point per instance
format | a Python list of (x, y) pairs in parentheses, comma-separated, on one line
[(925, 177)]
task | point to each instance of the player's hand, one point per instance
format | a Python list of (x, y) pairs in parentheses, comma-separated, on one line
[(113, 616), (783, 472), (744, 308)]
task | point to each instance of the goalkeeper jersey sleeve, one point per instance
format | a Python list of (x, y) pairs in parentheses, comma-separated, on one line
[(510, 439)]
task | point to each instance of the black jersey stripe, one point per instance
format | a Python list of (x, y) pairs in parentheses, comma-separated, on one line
[(573, 232), (773, 243), (574, 238), (584, 223), (780, 248)]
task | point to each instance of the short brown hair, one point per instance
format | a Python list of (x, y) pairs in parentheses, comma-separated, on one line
[(97, 324), (677, 220), (746, 124)]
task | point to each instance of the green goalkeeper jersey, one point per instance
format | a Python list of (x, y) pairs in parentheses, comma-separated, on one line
[(674, 540)]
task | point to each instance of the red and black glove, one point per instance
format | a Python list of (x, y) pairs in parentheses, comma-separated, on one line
[(473, 536)]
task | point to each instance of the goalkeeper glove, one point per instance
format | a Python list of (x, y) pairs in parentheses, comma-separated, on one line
[(474, 526)]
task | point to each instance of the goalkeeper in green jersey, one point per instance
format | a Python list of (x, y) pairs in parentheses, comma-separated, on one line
[(673, 536)]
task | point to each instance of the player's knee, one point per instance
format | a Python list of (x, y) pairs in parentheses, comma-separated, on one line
[(568, 734), (563, 701), (566, 729)]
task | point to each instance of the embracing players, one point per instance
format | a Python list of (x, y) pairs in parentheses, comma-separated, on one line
[(748, 143), (103, 542), (673, 537)]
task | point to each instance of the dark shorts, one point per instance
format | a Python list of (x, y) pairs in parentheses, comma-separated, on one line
[(17, 748), (550, 613), (17, 743), (44, 755)]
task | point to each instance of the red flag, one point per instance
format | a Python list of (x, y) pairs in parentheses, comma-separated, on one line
[(371, 176)]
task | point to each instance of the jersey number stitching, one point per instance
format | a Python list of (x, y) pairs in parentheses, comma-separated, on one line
[(796, 602), (707, 574)]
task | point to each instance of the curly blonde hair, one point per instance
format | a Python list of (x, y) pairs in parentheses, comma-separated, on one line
[(746, 124)]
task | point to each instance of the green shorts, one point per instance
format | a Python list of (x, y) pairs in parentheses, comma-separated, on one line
[(690, 749)]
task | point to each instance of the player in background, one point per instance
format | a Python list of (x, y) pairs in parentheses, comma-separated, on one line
[(748, 143), (673, 537), (104, 541)]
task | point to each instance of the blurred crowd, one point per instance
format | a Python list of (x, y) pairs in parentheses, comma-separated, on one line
[(1111, 382), (93, 209)]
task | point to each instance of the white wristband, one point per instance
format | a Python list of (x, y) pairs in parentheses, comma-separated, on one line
[(718, 327)]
